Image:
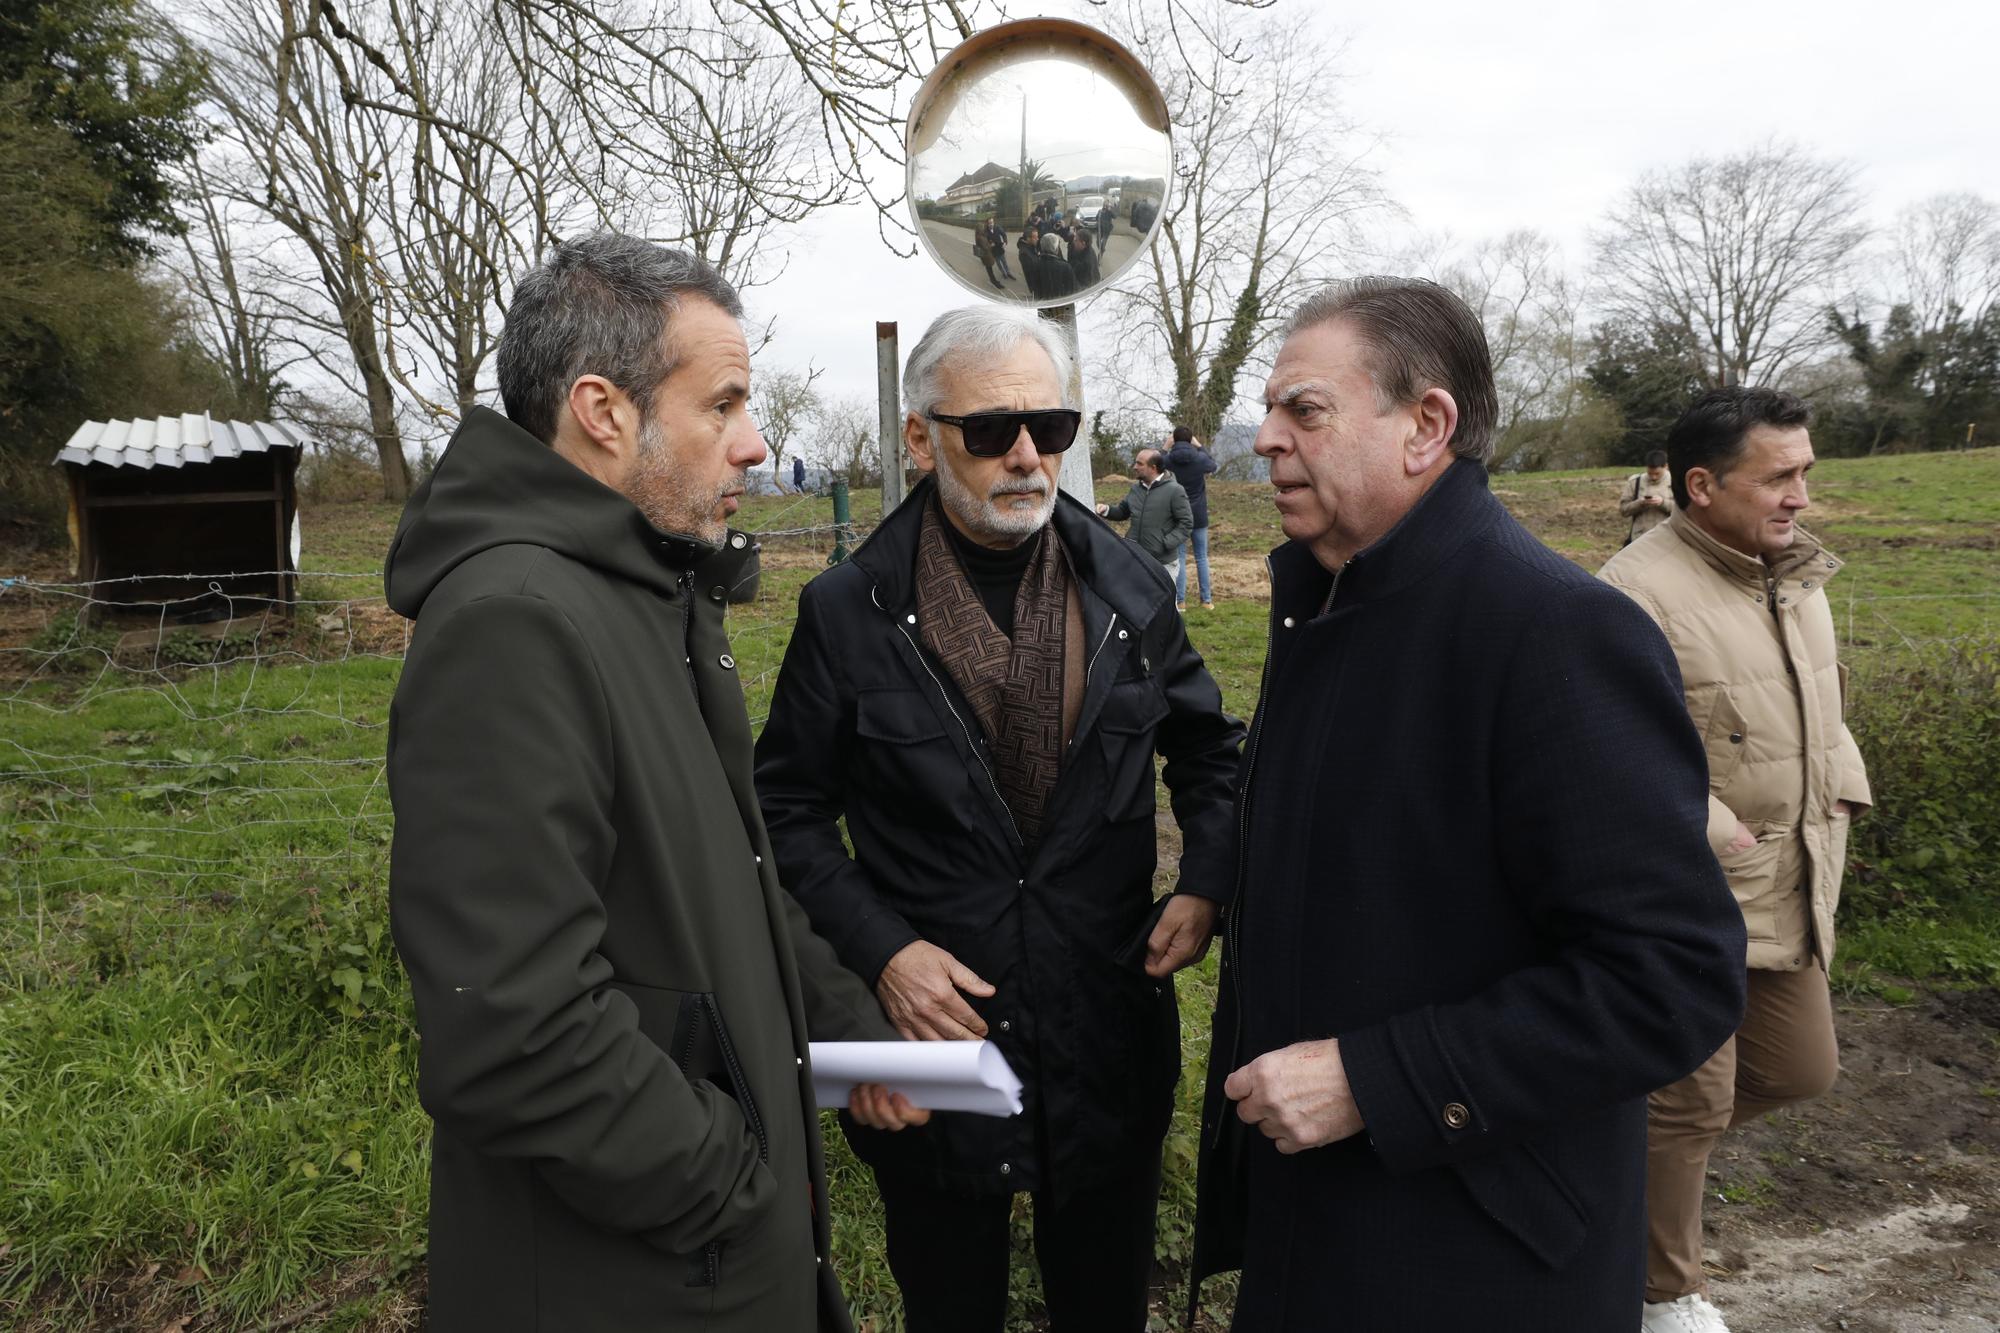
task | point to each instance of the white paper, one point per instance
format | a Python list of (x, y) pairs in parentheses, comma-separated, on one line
[(937, 1075)]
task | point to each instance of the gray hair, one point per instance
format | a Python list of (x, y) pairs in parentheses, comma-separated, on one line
[(976, 334), (1419, 336), (597, 306)]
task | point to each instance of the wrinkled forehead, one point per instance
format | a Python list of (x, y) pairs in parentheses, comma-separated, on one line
[(1321, 357), (1022, 380)]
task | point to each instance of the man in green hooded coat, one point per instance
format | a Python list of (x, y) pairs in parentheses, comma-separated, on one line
[(614, 994)]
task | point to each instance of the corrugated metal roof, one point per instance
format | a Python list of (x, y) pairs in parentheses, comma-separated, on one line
[(175, 441)]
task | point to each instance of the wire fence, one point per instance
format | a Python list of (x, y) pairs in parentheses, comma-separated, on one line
[(169, 766), (161, 767)]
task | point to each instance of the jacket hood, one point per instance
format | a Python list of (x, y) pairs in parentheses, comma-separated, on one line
[(497, 485)]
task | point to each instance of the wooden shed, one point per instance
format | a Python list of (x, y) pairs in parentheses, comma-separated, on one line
[(185, 520)]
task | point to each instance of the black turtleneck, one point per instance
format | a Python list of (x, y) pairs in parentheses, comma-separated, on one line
[(995, 575)]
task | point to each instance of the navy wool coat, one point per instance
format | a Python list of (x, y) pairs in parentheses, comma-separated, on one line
[(1474, 850)]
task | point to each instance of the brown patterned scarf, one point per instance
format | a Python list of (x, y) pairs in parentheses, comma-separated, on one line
[(1027, 691)]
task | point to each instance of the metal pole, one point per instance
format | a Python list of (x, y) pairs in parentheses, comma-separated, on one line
[(840, 521), (890, 419), (1075, 476)]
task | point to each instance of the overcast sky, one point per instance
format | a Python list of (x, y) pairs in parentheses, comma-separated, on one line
[(1497, 116)]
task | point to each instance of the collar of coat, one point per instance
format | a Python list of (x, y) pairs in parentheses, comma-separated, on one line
[(1805, 562), (1105, 564), (1453, 512)]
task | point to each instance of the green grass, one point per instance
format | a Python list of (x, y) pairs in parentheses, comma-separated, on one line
[(206, 1050)]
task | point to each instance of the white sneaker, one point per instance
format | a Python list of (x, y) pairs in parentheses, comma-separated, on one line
[(1689, 1314)]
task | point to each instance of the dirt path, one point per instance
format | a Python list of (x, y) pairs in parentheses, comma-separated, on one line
[(1876, 1208)]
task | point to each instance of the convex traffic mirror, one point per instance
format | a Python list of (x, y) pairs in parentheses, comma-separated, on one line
[(1038, 161)]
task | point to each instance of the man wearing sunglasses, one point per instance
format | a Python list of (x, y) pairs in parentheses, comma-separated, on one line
[(980, 693)]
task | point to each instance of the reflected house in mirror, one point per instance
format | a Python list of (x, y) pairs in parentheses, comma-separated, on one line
[(1039, 161)]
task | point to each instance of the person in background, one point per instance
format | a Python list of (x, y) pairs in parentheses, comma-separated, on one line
[(1739, 589), (1191, 463), (982, 250), (1648, 497), (1030, 250), (1083, 256), (998, 236), (1158, 509), (798, 474)]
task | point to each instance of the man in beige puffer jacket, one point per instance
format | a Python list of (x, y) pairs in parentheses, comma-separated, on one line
[(1740, 591)]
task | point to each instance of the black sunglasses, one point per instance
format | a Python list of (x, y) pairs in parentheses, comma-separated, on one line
[(992, 434)]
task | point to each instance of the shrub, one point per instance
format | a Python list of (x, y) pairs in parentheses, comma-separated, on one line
[(1928, 724)]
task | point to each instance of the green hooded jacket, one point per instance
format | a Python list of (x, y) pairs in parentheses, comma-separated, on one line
[(613, 993)]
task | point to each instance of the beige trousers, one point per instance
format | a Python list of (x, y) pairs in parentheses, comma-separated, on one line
[(1783, 1053)]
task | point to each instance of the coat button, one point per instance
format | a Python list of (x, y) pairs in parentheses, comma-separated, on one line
[(1456, 1116), (911, 619), (728, 662), (1806, 584), (1005, 1026), (1006, 1168), (1122, 634), (736, 539), (717, 593), (1736, 738), (1288, 622)]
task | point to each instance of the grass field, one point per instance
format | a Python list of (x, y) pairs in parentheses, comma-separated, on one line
[(206, 1055)]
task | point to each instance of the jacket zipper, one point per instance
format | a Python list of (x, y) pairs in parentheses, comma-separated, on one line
[(1091, 665), (687, 631), (737, 1077), (971, 741), (711, 1253)]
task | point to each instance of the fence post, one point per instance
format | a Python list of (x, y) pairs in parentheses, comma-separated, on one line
[(889, 418), (840, 521)]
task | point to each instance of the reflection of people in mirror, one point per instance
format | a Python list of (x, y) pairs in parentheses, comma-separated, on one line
[(982, 250), (998, 236), (1083, 256)]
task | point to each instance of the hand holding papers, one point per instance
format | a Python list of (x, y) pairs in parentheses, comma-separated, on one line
[(940, 1075)]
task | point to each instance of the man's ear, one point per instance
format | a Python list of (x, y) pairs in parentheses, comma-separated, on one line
[(917, 442), (605, 421), (1702, 485), (1435, 416)]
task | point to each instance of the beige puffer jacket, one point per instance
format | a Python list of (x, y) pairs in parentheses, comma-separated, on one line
[(1756, 649)]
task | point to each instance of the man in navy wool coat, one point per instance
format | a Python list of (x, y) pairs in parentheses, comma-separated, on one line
[(1476, 916)]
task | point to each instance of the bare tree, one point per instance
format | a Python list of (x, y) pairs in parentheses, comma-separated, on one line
[(1271, 186), (843, 440), (315, 167), (1946, 256), (603, 85), (1741, 253), (1521, 289), (234, 323), (784, 403)]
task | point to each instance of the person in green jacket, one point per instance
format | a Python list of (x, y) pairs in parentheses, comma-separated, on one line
[(1162, 518), (614, 993)]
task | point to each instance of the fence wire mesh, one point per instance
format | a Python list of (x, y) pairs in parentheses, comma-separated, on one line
[(158, 771), (168, 777)]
